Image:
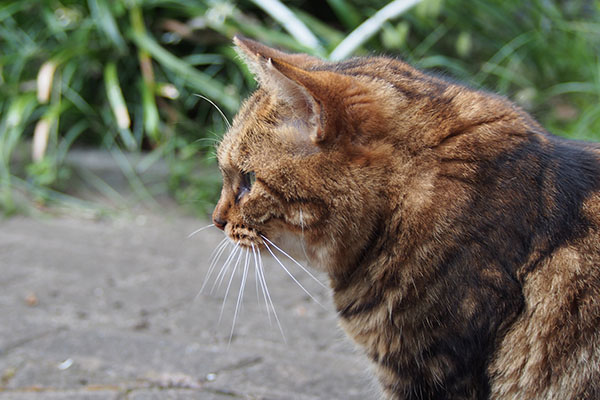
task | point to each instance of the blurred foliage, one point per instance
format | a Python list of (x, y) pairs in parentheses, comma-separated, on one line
[(121, 74)]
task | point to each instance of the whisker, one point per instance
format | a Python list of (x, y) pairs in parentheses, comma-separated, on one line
[(268, 296), (240, 294), (237, 262), (296, 262), (218, 109), (214, 258), (263, 283), (255, 273), (302, 241), (224, 268), (200, 230), (290, 274), (207, 139)]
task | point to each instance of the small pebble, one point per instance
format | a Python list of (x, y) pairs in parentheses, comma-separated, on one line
[(7, 375), (65, 364), (31, 300), (142, 325)]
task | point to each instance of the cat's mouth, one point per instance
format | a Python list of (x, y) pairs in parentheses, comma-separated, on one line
[(244, 236)]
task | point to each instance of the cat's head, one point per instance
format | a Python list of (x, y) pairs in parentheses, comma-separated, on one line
[(300, 160), (308, 157)]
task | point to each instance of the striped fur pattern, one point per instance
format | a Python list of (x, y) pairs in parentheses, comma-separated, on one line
[(462, 240)]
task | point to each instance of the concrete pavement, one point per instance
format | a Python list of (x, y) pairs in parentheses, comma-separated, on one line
[(109, 309)]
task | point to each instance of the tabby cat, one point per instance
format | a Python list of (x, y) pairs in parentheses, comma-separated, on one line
[(462, 241)]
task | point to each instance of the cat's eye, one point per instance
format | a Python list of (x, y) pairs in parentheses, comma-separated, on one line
[(248, 179)]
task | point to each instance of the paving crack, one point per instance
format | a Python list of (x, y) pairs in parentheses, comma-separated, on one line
[(27, 340), (243, 363)]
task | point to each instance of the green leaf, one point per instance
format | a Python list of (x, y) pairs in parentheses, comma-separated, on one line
[(118, 105), (346, 13), (151, 117), (104, 19), (197, 80)]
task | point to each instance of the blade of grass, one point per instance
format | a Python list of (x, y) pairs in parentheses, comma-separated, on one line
[(370, 27), (147, 84), (11, 126), (101, 186), (502, 54), (105, 21), (150, 111), (134, 181), (118, 105), (203, 59), (345, 12), (194, 78), (56, 196), (573, 87), (324, 30), (12, 8), (67, 140), (430, 40), (290, 22)]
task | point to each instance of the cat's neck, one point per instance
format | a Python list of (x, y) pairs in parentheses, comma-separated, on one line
[(400, 302)]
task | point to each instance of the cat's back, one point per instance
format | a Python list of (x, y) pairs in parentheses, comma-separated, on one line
[(552, 350), (544, 190)]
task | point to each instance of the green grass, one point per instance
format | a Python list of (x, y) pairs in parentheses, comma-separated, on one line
[(122, 74)]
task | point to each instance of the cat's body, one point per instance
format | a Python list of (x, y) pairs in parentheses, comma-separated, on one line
[(462, 241)]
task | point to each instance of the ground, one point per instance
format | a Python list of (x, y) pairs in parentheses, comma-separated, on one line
[(109, 308)]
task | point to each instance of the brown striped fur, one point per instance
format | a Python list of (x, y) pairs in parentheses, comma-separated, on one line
[(461, 239)]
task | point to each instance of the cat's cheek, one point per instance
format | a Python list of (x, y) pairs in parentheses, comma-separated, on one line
[(258, 210)]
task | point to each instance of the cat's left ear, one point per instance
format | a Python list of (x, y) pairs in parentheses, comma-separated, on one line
[(298, 81), (255, 53)]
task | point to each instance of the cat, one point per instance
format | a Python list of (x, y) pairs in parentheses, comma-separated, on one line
[(461, 240)]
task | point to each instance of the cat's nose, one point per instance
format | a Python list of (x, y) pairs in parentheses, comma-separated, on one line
[(221, 213), (219, 223)]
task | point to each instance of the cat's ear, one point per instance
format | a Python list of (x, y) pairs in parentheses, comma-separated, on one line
[(296, 82), (254, 53)]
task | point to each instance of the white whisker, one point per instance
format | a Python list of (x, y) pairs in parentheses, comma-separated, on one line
[(200, 230), (268, 296), (263, 284), (218, 109), (289, 273), (224, 268), (212, 140), (240, 294), (296, 262), (214, 258), (237, 262), (255, 273), (302, 241)]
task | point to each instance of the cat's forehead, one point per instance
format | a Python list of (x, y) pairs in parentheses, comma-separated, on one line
[(248, 131), (233, 150)]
